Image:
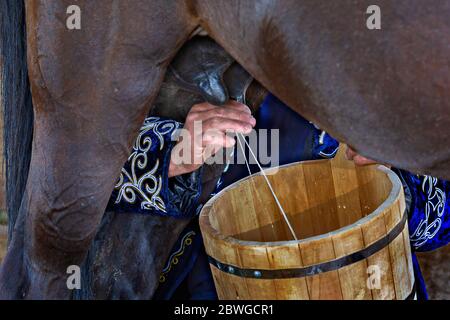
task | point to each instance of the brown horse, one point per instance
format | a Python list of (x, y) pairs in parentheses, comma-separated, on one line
[(385, 92)]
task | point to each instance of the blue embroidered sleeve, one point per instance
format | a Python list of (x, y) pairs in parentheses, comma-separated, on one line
[(429, 210), (143, 185), (324, 145)]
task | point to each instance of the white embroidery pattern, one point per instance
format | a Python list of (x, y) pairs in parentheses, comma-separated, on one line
[(321, 142), (148, 186), (436, 199)]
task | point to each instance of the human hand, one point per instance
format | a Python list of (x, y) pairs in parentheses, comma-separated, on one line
[(205, 133), (358, 159)]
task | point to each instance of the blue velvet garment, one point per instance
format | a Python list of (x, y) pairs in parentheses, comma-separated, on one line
[(186, 275), (429, 210), (144, 187)]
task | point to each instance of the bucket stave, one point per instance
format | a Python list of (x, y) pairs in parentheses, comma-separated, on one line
[(350, 221)]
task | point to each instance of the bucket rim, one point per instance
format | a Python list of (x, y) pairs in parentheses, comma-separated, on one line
[(393, 196)]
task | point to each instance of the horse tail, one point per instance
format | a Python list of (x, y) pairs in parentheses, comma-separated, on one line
[(17, 104)]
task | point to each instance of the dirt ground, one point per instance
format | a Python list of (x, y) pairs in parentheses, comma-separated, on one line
[(2, 242), (435, 266), (436, 270)]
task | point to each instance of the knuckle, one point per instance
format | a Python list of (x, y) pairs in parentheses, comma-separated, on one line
[(245, 117), (193, 116), (214, 122), (198, 106), (241, 106), (220, 112)]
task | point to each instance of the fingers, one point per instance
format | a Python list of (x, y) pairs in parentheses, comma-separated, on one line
[(239, 106), (218, 138), (215, 143), (362, 161), (358, 159), (350, 153), (228, 113), (232, 110), (205, 133), (229, 105), (228, 125), (233, 117)]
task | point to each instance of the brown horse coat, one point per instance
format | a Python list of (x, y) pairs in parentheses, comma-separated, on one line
[(384, 92)]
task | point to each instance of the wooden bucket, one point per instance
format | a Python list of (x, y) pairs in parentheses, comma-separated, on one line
[(350, 221)]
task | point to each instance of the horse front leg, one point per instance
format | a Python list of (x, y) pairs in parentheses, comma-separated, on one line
[(92, 89)]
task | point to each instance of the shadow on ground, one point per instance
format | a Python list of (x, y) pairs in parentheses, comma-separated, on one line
[(436, 270)]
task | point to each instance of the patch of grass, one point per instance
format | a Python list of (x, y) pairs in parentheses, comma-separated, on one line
[(3, 218)]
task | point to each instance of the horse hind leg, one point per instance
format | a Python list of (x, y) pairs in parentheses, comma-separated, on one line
[(92, 89)]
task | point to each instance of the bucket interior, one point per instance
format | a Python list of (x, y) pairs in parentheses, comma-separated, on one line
[(317, 196)]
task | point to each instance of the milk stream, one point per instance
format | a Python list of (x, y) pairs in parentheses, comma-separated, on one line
[(280, 207)]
